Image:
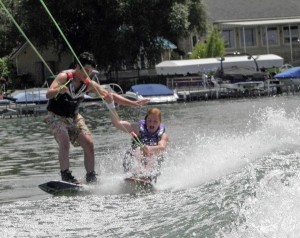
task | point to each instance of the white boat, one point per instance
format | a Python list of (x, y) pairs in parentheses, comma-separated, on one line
[(27, 101), (4, 102), (31, 95), (156, 93), (111, 87), (33, 100), (38, 95)]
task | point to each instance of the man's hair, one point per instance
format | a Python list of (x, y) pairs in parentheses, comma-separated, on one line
[(87, 58)]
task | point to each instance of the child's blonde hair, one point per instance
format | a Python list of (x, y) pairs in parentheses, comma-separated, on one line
[(154, 111)]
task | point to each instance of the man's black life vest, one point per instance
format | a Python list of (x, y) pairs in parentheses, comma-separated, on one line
[(67, 104)]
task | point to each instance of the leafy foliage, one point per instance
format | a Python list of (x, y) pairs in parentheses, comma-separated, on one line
[(10, 37), (3, 67), (197, 16), (213, 46), (7, 68), (178, 19), (116, 31)]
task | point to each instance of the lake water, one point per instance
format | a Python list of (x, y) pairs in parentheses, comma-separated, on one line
[(232, 170)]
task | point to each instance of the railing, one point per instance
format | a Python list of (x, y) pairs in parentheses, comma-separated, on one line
[(188, 84)]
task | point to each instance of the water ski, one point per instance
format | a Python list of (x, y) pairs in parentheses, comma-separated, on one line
[(56, 187), (139, 183)]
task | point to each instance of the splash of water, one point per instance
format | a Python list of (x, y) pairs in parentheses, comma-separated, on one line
[(273, 212), (202, 158)]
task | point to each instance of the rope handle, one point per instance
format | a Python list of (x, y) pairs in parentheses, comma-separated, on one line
[(136, 139)]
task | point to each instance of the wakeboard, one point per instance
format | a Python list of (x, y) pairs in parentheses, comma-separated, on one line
[(56, 187)]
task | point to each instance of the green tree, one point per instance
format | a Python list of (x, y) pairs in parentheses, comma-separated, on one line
[(4, 67), (7, 68), (10, 37), (114, 30), (197, 17), (199, 51), (213, 46)]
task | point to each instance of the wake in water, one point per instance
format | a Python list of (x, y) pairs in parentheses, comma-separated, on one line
[(201, 158), (273, 210), (195, 157), (257, 168)]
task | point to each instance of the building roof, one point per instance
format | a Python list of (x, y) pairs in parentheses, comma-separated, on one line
[(165, 44), (239, 10), (16, 52), (262, 22)]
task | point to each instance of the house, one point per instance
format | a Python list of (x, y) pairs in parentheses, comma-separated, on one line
[(250, 27), (257, 27), (167, 47), (32, 69)]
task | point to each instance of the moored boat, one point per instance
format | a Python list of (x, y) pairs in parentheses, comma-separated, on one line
[(290, 76), (156, 93)]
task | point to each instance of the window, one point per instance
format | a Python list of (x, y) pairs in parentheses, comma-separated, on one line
[(271, 35), (250, 37), (194, 39), (294, 34), (228, 37)]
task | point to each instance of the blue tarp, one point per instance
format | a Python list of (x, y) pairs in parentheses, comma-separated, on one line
[(147, 90), (289, 73)]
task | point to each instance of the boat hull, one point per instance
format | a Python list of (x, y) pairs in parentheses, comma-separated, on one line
[(156, 93)]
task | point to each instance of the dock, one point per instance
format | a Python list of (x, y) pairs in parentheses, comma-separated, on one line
[(10, 109), (198, 88)]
